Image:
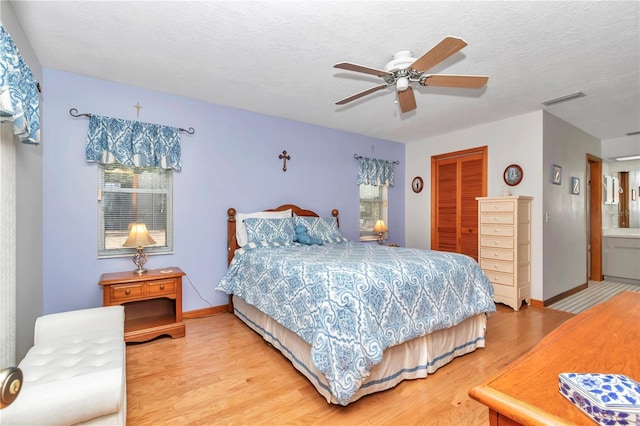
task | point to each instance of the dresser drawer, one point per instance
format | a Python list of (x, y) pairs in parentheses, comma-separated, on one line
[(488, 266), (126, 291), (489, 253), (496, 242), (499, 278), (502, 291), (158, 288), (497, 206), (502, 231), (505, 219)]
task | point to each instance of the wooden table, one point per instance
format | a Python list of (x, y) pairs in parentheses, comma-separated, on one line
[(603, 339), (152, 302)]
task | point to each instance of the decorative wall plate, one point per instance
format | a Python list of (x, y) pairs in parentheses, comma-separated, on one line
[(512, 175), (417, 184)]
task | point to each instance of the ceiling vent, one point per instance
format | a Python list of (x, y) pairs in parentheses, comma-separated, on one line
[(564, 98)]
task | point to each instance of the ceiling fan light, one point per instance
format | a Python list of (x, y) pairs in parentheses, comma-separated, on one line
[(402, 84)]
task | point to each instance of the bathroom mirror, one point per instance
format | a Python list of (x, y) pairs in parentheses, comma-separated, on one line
[(620, 180), (629, 206), (611, 190)]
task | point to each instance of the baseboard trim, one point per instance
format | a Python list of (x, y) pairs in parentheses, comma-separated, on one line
[(537, 303), (205, 312), (565, 294)]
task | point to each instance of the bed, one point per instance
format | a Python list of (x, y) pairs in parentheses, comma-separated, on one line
[(354, 318)]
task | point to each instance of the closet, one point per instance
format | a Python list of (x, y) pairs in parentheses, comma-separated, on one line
[(457, 178)]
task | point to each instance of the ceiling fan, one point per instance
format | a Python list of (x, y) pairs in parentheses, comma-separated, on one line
[(404, 69)]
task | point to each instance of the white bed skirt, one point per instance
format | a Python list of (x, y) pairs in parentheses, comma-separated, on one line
[(412, 360)]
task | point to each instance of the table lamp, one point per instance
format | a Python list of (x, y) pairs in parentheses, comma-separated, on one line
[(139, 237), (380, 228)]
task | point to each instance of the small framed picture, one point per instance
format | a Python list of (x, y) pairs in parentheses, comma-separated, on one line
[(556, 175), (575, 186)]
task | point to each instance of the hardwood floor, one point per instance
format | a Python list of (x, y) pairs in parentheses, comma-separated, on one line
[(222, 372)]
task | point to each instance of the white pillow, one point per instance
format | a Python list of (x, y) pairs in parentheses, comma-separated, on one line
[(241, 230)]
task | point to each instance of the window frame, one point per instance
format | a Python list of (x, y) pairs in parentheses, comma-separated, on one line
[(102, 190), (384, 207)]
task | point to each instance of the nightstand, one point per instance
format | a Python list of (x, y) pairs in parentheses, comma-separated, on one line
[(152, 302)]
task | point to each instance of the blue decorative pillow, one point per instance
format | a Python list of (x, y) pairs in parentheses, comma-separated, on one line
[(269, 230), (303, 238), (325, 228)]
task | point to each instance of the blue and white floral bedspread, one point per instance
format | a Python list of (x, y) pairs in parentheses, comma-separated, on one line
[(351, 301)]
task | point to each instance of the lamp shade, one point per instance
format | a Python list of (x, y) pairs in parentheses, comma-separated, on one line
[(138, 236), (380, 226)]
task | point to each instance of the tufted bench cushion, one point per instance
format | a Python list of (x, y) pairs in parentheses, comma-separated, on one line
[(75, 372)]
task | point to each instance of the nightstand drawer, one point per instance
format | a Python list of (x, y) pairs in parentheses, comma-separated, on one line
[(496, 242), (502, 231), (126, 292), (496, 266), (506, 219), (157, 288)]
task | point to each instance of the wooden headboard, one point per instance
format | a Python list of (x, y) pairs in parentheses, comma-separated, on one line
[(232, 242)]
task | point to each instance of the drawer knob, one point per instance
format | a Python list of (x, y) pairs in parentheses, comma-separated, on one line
[(495, 230), (495, 243), (127, 292), (495, 254), (161, 286)]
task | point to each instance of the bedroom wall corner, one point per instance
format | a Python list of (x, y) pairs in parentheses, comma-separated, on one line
[(564, 234), (514, 140), (29, 212)]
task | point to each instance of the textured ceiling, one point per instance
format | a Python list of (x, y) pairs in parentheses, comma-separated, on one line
[(277, 58)]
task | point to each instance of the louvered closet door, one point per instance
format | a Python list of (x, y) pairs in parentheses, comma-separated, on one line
[(447, 205), (470, 186), (457, 179)]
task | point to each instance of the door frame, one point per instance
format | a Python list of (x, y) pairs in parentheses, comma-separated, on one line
[(594, 221)]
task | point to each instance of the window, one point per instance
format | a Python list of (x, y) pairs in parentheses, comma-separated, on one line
[(134, 194), (373, 206)]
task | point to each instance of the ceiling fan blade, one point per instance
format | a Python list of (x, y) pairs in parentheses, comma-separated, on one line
[(361, 68), (464, 81), (439, 53), (361, 94), (407, 100)]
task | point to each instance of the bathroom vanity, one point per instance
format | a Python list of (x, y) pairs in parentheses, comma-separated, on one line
[(621, 254)]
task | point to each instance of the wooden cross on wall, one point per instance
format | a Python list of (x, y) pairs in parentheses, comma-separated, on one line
[(284, 157), (137, 106)]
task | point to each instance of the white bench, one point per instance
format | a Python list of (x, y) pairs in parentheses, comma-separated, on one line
[(75, 372)]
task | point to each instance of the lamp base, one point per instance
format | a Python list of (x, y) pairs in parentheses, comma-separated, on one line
[(139, 259), (139, 271), (380, 238)]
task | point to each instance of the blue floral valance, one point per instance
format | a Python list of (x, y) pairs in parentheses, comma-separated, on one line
[(132, 143), (372, 171), (19, 99)]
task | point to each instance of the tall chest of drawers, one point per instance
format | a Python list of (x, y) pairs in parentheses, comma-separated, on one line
[(504, 247)]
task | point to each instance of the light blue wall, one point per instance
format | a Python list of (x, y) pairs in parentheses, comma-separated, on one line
[(231, 161)]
